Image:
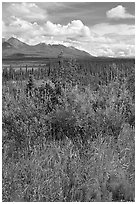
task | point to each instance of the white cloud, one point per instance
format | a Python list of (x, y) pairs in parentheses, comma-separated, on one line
[(74, 28), (3, 28), (21, 28), (26, 11), (101, 39), (106, 28), (114, 50), (119, 12)]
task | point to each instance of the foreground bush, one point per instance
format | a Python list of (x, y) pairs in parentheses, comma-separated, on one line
[(81, 150)]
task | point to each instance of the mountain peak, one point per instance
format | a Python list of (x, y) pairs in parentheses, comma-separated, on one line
[(16, 43), (12, 39), (40, 44), (41, 50)]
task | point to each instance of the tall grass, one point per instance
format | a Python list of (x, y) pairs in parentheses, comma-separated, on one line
[(82, 150)]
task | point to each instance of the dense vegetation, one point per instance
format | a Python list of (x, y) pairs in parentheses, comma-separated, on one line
[(75, 146)]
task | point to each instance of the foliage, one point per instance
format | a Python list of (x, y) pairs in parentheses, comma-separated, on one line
[(81, 149)]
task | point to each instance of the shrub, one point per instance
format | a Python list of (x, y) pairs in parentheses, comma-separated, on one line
[(80, 150)]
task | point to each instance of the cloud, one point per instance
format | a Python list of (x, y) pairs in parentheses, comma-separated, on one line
[(101, 39), (74, 28), (21, 28), (119, 12), (3, 28), (115, 40), (117, 50), (26, 11), (106, 28)]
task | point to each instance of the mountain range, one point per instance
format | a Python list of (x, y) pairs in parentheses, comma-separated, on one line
[(14, 48)]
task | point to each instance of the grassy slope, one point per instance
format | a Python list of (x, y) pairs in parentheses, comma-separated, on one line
[(96, 164)]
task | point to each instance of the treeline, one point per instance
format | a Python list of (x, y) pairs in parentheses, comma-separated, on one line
[(23, 73), (82, 71)]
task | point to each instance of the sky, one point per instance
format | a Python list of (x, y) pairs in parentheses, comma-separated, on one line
[(100, 28)]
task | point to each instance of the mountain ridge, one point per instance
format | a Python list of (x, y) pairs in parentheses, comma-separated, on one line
[(14, 47)]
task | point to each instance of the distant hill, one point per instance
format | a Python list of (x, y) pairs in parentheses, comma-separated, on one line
[(18, 44), (13, 48)]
